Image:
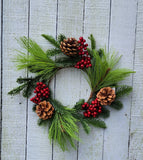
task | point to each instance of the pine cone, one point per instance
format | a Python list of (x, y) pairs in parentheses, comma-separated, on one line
[(106, 96), (44, 110), (69, 46)]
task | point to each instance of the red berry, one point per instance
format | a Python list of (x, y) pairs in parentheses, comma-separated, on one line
[(81, 38), (78, 48), (90, 65), (85, 48), (79, 41), (99, 111), (84, 40), (82, 65), (35, 91), (89, 112), (41, 83), (86, 44), (77, 67), (93, 102), (37, 83), (82, 53), (85, 114), (83, 106), (94, 115)]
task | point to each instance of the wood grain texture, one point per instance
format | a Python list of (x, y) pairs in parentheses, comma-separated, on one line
[(136, 132), (96, 21), (1, 15), (15, 24), (118, 25), (68, 88), (42, 21), (122, 39)]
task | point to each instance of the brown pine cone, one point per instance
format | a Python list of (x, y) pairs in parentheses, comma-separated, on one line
[(106, 96), (69, 46), (44, 110)]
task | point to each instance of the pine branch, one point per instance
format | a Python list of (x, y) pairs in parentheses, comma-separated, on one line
[(78, 104), (85, 126), (61, 38), (53, 52), (116, 105), (93, 43), (52, 40), (123, 90), (66, 61), (105, 112), (17, 89), (96, 122)]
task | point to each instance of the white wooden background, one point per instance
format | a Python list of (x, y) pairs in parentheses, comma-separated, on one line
[(118, 24)]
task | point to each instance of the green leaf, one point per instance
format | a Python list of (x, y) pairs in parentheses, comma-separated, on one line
[(123, 90), (117, 105), (52, 40), (78, 104)]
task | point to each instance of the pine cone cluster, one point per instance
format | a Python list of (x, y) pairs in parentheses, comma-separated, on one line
[(44, 110), (69, 47), (106, 96)]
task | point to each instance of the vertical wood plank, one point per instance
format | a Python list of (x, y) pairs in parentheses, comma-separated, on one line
[(42, 21), (1, 14), (15, 24), (136, 132), (68, 88), (96, 21), (122, 38)]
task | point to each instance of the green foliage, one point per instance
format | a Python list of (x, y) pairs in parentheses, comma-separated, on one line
[(105, 112), (28, 84), (53, 52), (37, 61), (117, 105), (52, 40), (101, 74), (64, 126), (17, 89), (123, 90), (96, 122), (66, 61), (61, 37), (93, 43), (85, 126), (78, 104)]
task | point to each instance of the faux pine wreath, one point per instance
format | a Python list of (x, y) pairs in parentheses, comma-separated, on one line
[(99, 69)]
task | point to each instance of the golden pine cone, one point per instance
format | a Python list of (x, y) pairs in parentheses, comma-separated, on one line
[(106, 96), (69, 46), (44, 110)]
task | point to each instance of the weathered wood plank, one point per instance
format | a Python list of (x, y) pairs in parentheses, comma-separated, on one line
[(15, 24), (122, 37), (96, 21), (136, 132), (68, 88), (42, 21), (1, 15)]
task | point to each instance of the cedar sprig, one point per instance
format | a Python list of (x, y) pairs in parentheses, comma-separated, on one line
[(27, 86), (123, 90), (61, 38)]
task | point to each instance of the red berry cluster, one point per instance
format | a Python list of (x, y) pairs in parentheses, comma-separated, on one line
[(85, 60), (42, 91), (93, 109)]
